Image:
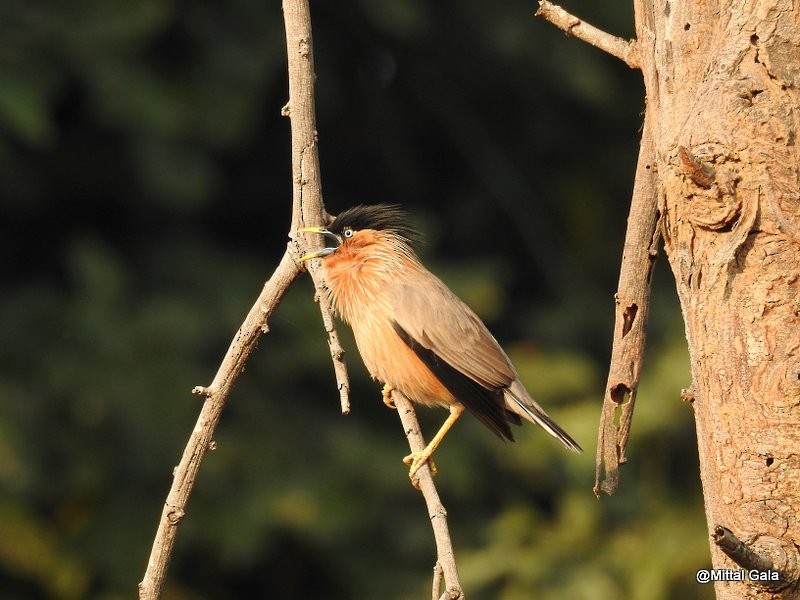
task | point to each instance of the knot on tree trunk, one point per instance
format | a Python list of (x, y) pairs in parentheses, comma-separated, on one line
[(708, 178)]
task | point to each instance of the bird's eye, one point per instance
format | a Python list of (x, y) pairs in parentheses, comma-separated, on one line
[(348, 233)]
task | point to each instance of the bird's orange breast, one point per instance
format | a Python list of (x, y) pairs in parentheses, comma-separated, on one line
[(391, 361)]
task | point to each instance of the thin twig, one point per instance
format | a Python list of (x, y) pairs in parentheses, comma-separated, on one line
[(632, 305), (438, 575), (625, 50), (334, 345), (436, 511), (201, 438)]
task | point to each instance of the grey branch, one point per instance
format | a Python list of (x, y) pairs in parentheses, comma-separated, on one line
[(625, 50), (438, 515)]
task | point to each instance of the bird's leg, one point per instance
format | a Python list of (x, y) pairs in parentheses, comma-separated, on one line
[(416, 459), (387, 396)]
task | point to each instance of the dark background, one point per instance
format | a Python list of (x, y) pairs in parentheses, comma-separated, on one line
[(145, 197)]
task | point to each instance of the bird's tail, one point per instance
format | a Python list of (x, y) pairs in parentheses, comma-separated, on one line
[(518, 400)]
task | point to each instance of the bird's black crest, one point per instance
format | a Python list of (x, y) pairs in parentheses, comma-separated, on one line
[(381, 217)]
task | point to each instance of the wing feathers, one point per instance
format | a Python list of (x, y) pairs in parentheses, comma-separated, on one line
[(486, 404), (458, 349), (442, 323)]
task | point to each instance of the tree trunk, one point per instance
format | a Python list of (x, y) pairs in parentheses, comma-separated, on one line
[(722, 83)]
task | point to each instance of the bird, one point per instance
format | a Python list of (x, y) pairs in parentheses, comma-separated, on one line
[(414, 334)]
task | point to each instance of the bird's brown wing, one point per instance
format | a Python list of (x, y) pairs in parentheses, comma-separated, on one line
[(486, 404), (436, 318), (456, 346)]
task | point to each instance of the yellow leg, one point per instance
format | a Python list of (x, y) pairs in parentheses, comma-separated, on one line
[(416, 459), (387, 396)]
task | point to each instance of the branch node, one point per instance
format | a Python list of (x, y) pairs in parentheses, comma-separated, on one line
[(452, 593), (175, 515), (201, 390), (442, 513), (304, 47)]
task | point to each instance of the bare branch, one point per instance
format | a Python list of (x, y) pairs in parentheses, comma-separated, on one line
[(632, 305), (337, 354), (201, 438), (625, 50), (436, 511), (308, 208)]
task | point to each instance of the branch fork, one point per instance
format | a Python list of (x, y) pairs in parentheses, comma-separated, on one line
[(307, 208)]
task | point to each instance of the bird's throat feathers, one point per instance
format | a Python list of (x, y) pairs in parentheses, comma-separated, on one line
[(360, 270)]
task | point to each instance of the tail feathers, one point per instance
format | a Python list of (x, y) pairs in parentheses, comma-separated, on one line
[(519, 401)]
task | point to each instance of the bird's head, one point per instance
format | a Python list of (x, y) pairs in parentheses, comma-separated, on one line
[(361, 226)]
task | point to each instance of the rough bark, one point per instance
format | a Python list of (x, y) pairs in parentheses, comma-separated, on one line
[(722, 92)]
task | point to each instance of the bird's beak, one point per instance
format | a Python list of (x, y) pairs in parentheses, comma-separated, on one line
[(324, 251)]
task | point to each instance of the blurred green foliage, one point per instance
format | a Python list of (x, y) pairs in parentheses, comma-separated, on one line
[(145, 196)]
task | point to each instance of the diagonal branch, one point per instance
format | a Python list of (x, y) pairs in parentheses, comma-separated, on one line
[(632, 305), (201, 438), (446, 561), (625, 50)]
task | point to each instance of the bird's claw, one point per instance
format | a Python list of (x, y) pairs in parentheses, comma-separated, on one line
[(415, 460), (387, 396)]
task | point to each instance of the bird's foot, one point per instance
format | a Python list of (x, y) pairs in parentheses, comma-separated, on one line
[(415, 460), (387, 396)]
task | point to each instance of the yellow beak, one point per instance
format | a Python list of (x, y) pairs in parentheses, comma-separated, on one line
[(319, 253), (321, 230)]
